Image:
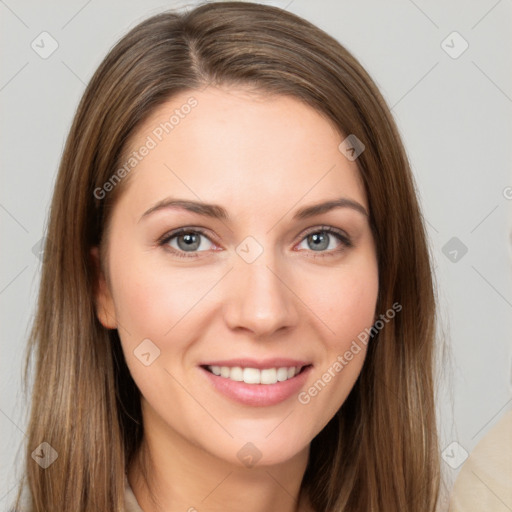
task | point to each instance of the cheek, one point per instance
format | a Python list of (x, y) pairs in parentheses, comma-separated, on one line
[(149, 299), (354, 308), (153, 304), (344, 300)]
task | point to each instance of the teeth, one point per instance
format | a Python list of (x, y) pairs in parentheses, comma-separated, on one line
[(282, 374), (236, 373), (254, 375), (269, 376)]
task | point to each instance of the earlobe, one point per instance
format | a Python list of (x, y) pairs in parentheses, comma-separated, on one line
[(103, 302)]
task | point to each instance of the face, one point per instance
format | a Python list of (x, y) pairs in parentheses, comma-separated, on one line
[(220, 275)]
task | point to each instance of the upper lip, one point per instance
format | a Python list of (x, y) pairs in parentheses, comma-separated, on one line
[(260, 364)]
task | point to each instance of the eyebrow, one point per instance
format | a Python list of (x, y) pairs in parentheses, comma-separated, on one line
[(218, 212)]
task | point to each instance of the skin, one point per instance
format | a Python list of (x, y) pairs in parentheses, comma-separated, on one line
[(260, 157)]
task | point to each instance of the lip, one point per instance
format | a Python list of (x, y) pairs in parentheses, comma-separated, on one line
[(257, 395)]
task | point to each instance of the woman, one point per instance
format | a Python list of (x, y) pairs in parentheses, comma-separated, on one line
[(236, 309)]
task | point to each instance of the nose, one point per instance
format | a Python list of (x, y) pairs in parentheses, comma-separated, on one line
[(260, 297)]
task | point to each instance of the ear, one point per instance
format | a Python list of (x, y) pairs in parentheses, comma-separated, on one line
[(104, 304)]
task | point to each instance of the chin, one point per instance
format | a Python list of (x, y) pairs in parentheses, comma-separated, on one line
[(260, 451)]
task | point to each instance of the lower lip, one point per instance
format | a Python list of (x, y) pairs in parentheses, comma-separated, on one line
[(258, 395)]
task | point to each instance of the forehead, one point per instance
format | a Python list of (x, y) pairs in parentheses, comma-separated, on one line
[(251, 151)]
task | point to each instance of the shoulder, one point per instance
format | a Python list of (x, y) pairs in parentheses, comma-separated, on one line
[(486, 476)]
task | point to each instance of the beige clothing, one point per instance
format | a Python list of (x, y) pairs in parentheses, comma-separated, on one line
[(131, 502), (484, 483)]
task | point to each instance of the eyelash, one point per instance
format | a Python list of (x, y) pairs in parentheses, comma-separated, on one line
[(344, 239)]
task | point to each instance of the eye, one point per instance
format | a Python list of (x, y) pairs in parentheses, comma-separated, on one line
[(186, 240), (323, 240)]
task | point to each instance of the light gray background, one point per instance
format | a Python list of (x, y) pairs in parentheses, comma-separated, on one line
[(455, 118)]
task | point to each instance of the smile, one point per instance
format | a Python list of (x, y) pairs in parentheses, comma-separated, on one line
[(257, 383), (255, 375)]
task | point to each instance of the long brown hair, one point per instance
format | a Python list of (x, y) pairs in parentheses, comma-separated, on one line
[(380, 451)]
